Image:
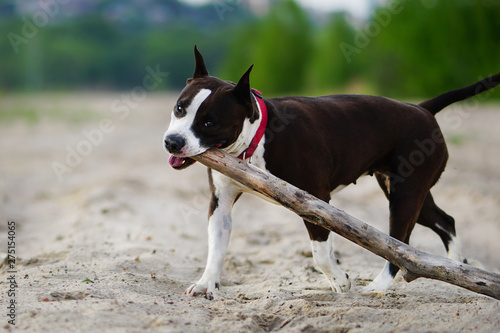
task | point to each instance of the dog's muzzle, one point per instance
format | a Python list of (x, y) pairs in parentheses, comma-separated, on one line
[(174, 144)]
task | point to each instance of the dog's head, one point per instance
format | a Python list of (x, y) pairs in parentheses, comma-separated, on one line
[(209, 112)]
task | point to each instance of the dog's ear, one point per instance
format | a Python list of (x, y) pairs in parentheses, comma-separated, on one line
[(242, 89), (244, 95), (200, 69)]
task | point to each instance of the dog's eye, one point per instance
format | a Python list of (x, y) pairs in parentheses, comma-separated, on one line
[(179, 111), (208, 124)]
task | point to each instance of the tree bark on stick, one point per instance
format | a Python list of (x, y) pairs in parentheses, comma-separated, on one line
[(412, 262)]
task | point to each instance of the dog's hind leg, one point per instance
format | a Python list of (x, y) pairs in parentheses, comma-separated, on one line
[(404, 205), (324, 257), (444, 225), (433, 217)]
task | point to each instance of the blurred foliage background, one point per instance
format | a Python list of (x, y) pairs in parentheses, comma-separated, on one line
[(404, 48)]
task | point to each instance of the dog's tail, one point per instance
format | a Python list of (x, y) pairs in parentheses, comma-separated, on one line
[(438, 103)]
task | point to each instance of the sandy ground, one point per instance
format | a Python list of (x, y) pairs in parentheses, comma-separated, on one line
[(112, 243)]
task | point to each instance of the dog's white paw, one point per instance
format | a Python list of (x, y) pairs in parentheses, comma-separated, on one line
[(381, 283), (202, 288), (341, 285), (374, 288)]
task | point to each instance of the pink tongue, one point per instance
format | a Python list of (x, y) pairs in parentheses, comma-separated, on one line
[(175, 161)]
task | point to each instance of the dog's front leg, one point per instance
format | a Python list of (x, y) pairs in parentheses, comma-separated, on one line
[(224, 194)]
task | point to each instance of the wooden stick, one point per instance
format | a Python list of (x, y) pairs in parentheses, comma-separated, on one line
[(412, 262)]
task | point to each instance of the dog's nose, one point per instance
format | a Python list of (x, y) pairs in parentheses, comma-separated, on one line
[(174, 143)]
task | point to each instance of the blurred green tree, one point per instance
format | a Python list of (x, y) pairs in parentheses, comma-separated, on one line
[(423, 48), (329, 69), (428, 49), (279, 45)]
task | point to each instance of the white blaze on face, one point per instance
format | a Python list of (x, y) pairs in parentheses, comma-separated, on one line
[(183, 126)]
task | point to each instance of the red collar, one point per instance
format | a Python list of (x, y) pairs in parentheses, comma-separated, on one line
[(247, 153)]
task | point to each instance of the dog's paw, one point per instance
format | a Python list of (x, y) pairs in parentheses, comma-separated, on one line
[(204, 289), (372, 289), (377, 286), (341, 285)]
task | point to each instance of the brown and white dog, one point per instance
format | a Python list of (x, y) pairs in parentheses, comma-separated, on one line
[(319, 144)]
